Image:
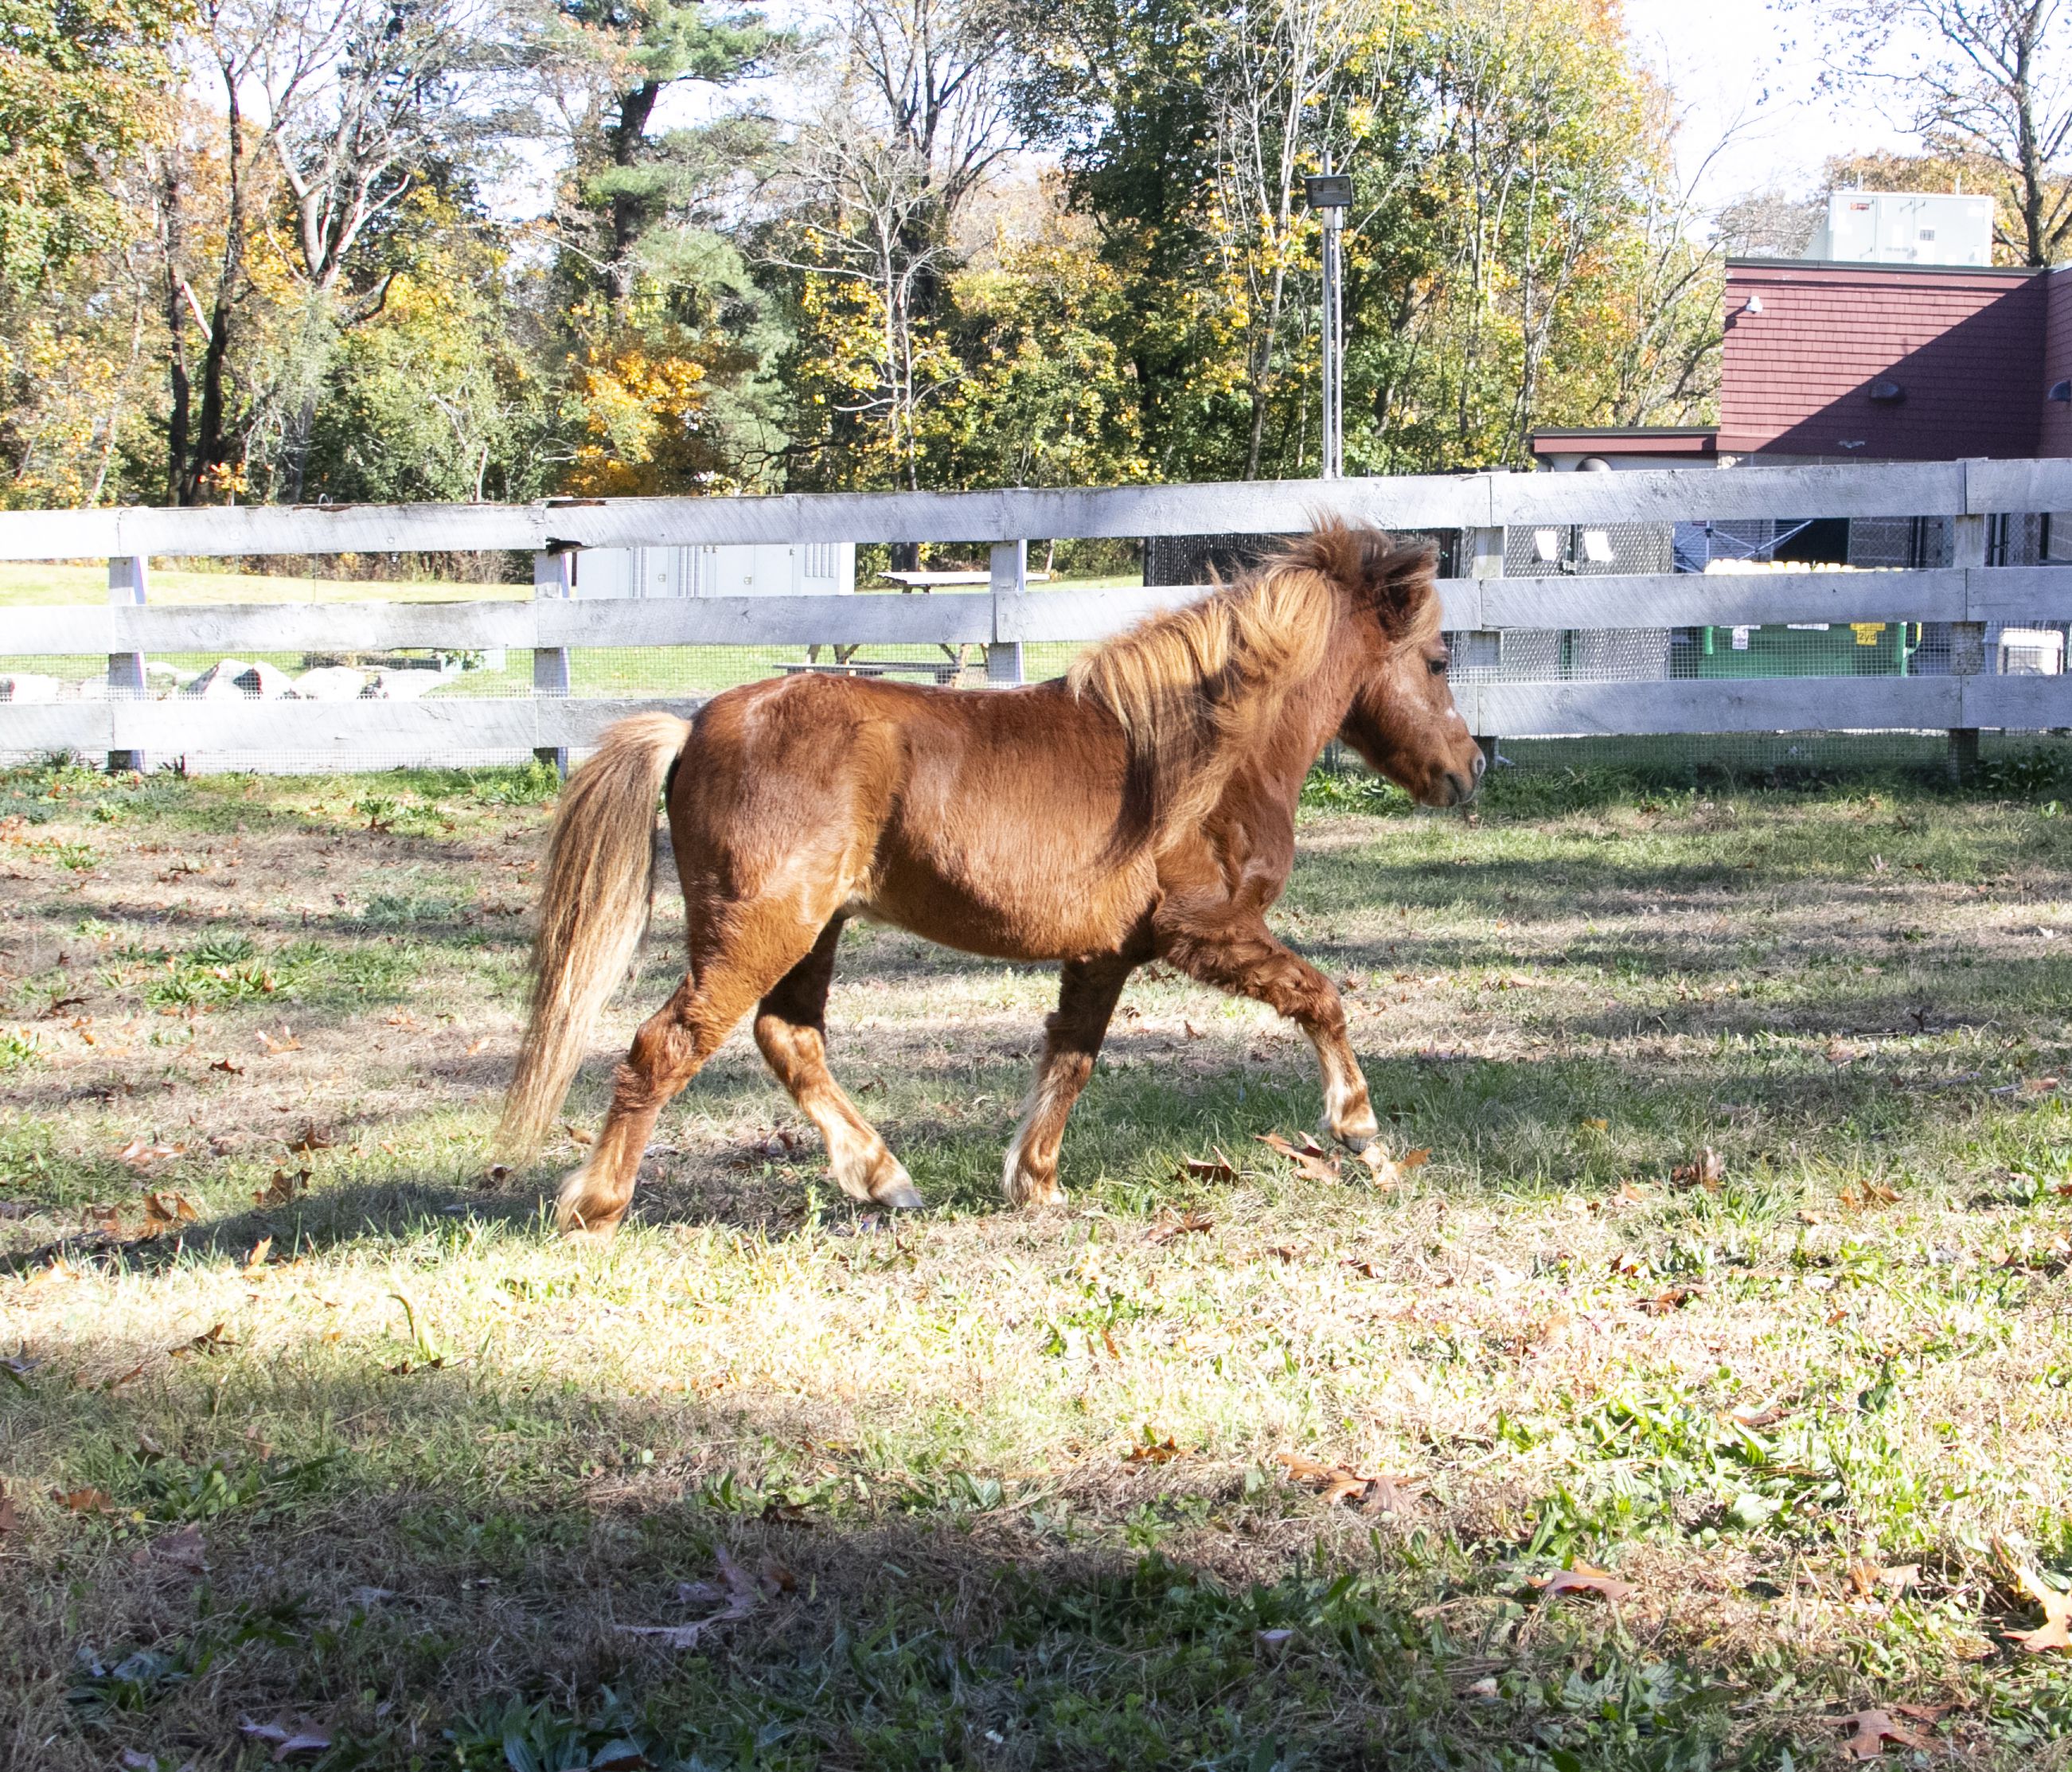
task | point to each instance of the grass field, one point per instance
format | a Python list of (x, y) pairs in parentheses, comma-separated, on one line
[(1736, 1271)]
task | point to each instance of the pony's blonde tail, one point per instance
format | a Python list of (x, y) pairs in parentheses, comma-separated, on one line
[(600, 863)]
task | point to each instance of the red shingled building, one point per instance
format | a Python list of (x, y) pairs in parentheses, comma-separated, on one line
[(1827, 361)]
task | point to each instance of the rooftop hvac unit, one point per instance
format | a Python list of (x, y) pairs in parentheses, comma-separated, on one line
[(1904, 227), (782, 569)]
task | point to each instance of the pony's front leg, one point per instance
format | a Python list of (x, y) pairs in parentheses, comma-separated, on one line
[(1233, 951), (1072, 1035)]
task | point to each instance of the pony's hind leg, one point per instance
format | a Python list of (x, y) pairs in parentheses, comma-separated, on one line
[(671, 1048), (1072, 1036), (1234, 952), (791, 1027)]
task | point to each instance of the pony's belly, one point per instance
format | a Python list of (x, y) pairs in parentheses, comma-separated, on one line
[(1054, 918)]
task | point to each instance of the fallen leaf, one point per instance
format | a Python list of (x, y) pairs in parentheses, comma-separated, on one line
[(58, 1272), (1334, 1483), (139, 1155), (211, 1340), (255, 1263), (1581, 1579), (282, 1188), (1873, 1729), (226, 1066), (282, 1042), (1706, 1170), (287, 1739), (183, 1551), (83, 1501), (475, 1046), (1151, 1451), (2055, 1632), (1414, 1159), (1218, 1168), (163, 1211), (1597, 1123), (1310, 1162), (311, 1137), (1839, 1054), (581, 1137), (1193, 1224), (1676, 1298), (743, 1596)]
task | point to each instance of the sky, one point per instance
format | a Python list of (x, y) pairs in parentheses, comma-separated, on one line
[(1733, 69)]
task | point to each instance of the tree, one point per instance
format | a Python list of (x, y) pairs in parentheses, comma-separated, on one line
[(83, 85), (1982, 80), (907, 116), (605, 66)]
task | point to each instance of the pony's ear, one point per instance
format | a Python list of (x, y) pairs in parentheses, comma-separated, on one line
[(1398, 579)]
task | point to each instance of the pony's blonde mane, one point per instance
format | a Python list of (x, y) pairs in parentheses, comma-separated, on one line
[(1195, 689)]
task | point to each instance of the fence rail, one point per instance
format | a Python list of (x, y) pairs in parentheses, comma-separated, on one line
[(1967, 595)]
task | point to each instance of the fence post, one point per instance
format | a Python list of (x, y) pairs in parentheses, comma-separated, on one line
[(553, 576), (1010, 580), (128, 582), (1967, 643), (1483, 548)]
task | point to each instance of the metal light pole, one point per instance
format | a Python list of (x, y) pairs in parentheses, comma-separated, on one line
[(1331, 194)]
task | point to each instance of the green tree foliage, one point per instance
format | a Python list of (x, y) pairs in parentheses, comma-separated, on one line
[(83, 85), (898, 243)]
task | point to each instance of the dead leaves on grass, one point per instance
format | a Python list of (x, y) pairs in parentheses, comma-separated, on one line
[(141, 1154), (1310, 1157), (1187, 1224), (282, 1189), (2055, 1632), (285, 1738), (1708, 1170), (1581, 1578), (1871, 1730), (1313, 1159), (741, 1593), (1334, 1484)]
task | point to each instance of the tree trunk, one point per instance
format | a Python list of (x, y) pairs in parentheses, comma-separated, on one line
[(628, 214), (176, 319), (211, 450)]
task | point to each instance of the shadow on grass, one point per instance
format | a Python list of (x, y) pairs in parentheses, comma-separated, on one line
[(437, 1566)]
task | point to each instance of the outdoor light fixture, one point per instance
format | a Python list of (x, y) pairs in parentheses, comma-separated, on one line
[(1331, 194), (1754, 305), (2060, 390), (1887, 393)]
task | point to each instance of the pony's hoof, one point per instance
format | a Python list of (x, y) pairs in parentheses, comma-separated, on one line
[(902, 1196), (1357, 1132)]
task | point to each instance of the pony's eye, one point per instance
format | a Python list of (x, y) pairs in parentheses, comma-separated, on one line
[(1438, 666)]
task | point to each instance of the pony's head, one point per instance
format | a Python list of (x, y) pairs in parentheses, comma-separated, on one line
[(1402, 719)]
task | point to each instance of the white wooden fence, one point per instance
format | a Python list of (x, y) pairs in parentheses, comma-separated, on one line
[(1968, 593)]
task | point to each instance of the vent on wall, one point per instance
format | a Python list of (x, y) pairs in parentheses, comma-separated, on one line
[(1887, 393)]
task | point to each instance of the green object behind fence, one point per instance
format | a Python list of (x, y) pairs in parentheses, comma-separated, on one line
[(1835, 649)]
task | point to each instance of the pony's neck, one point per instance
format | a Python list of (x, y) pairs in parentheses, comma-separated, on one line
[(1313, 710)]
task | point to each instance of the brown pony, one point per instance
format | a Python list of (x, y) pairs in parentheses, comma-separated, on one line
[(1141, 808)]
